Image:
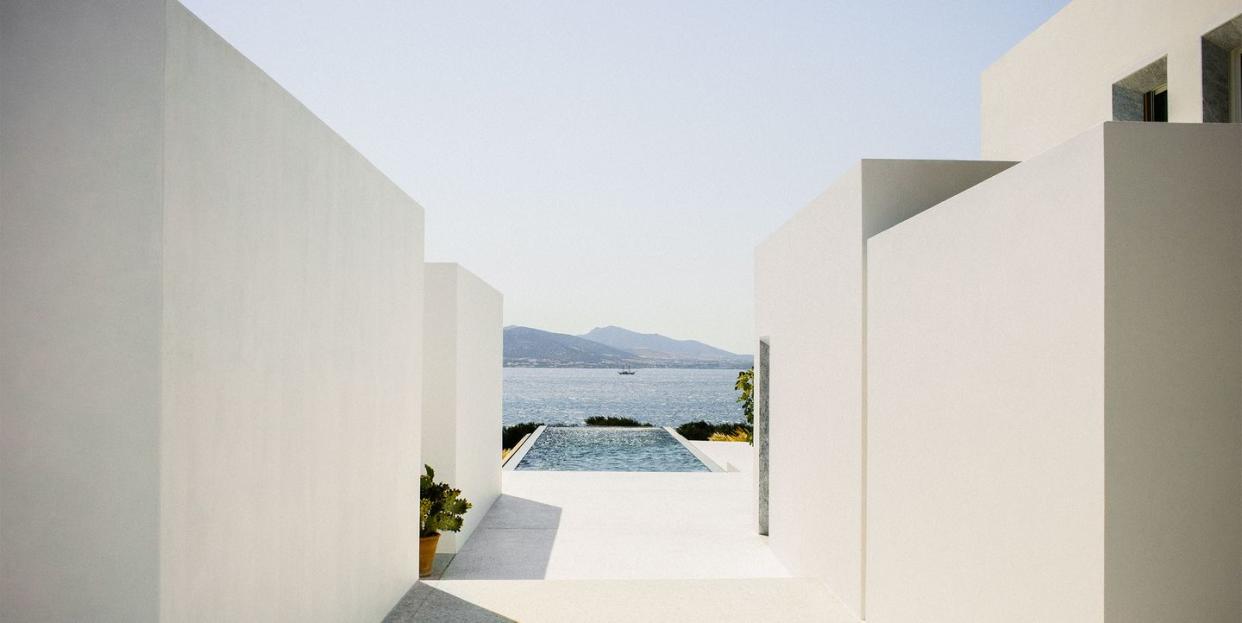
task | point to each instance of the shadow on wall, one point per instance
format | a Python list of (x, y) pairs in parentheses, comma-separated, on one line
[(513, 542), (425, 603)]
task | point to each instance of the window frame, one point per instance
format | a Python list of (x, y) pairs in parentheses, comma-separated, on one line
[(1149, 104)]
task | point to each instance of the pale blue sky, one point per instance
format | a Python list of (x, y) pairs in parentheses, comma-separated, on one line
[(616, 162)]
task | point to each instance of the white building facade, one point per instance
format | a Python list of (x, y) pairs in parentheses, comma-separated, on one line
[(462, 364), (1072, 73), (211, 335), (1019, 399), (814, 270)]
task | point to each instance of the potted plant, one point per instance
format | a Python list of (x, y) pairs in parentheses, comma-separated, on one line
[(440, 509)]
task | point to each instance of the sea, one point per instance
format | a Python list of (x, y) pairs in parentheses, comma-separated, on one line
[(657, 396)]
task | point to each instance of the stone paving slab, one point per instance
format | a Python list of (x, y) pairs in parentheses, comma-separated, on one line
[(425, 603), (783, 600), (617, 525)]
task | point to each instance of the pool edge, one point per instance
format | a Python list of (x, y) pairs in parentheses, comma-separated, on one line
[(712, 466), (519, 452)]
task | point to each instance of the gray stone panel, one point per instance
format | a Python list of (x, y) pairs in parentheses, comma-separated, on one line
[(425, 603), (1127, 104), (1228, 36), (1128, 92), (762, 417), (1216, 68), (513, 542)]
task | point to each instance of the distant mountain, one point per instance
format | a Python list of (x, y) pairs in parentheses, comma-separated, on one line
[(611, 347), (532, 348), (656, 346)]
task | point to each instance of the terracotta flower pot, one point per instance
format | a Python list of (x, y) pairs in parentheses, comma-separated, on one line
[(427, 554)]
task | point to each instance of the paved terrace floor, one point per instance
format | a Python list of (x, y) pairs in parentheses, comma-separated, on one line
[(599, 546)]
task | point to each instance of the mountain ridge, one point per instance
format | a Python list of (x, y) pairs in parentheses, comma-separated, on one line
[(611, 347), (657, 345), (535, 348)]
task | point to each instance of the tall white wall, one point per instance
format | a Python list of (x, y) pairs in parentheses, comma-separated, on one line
[(81, 96), (210, 335), (462, 401), (291, 340), (986, 397), (808, 297), (1057, 83), (810, 307), (1173, 339), (1054, 412), (439, 421)]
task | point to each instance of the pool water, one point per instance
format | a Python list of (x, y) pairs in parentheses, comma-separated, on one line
[(606, 449)]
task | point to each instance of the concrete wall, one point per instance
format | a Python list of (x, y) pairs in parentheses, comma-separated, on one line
[(805, 304), (1058, 81), (986, 396), (1054, 417), (81, 96), (462, 380), (810, 307), (1173, 400), (292, 305), (209, 335)]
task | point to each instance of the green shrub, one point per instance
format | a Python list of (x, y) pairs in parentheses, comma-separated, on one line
[(513, 434), (440, 507), (702, 431), (696, 431), (601, 420), (738, 435), (746, 393)]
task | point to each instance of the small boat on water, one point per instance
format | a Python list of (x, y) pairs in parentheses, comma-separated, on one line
[(627, 371)]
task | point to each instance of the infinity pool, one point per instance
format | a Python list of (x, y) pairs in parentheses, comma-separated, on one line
[(600, 449)]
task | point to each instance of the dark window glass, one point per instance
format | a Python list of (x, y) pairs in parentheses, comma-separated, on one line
[(1156, 106), (1160, 105)]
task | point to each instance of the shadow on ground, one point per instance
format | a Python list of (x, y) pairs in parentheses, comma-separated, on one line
[(424, 603), (513, 542)]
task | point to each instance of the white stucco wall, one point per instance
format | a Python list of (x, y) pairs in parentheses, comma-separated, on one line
[(291, 339), (81, 95), (1058, 81), (809, 278), (210, 333), (463, 377), (1054, 413), (1173, 338), (985, 396)]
